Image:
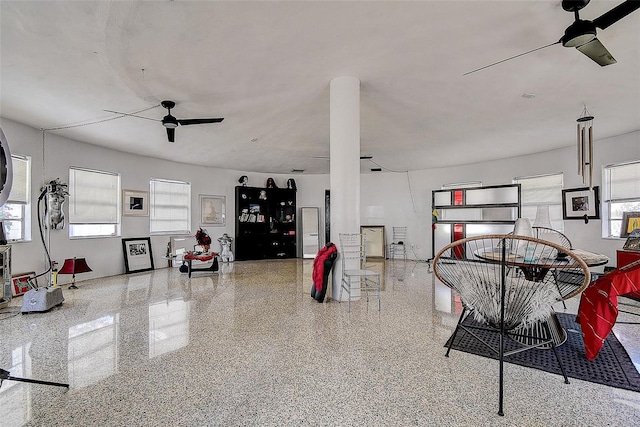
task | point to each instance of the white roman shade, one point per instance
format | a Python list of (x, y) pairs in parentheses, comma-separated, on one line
[(19, 190), (170, 206), (94, 197)]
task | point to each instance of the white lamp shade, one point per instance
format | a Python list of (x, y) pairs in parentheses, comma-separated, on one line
[(543, 218), (523, 227)]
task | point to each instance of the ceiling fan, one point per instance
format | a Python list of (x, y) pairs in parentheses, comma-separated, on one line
[(582, 33), (170, 122)]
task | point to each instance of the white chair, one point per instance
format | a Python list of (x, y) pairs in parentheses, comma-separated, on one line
[(398, 242), (356, 279)]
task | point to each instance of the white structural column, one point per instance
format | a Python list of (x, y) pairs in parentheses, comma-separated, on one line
[(344, 118)]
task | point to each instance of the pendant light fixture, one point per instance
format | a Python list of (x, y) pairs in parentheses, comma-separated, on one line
[(585, 147)]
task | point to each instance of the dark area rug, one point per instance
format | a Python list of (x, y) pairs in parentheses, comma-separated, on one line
[(612, 367)]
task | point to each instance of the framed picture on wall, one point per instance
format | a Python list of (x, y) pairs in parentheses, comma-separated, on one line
[(137, 254), (578, 203), (630, 222), (135, 203), (212, 210)]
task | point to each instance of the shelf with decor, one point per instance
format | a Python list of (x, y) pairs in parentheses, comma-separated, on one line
[(265, 223)]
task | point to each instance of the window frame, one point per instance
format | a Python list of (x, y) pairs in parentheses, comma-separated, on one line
[(557, 221), (608, 201), (153, 211), (76, 227), (24, 206)]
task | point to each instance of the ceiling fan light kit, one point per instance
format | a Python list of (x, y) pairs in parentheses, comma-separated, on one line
[(169, 121), (579, 33)]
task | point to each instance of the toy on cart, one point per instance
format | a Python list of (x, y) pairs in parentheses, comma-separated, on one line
[(189, 257), (204, 255)]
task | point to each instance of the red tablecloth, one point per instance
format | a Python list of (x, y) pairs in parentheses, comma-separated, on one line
[(599, 306), (190, 256)]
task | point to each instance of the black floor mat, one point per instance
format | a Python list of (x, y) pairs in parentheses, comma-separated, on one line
[(612, 366)]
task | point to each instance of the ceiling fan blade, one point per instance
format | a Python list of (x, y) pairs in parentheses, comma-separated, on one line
[(171, 134), (596, 51), (508, 59), (132, 115), (616, 14), (198, 121)]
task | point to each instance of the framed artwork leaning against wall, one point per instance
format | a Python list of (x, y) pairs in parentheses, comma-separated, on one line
[(137, 254), (630, 222)]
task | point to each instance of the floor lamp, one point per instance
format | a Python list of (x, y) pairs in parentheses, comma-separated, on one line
[(74, 266)]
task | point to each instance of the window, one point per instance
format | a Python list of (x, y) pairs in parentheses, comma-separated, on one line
[(621, 193), (170, 206), (469, 184), (16, 212), (94, 203), (540, 191)]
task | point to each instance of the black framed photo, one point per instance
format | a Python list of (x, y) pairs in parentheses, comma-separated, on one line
[(630, 223), (578, 202), (137, 254)]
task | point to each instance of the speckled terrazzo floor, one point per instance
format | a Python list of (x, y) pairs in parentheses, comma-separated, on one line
[(249, 346)]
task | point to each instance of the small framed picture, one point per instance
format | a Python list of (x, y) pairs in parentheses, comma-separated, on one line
[(135, 203), (632, 244), (580, 202), (630, 222), (20, 283), (137, 254), (212, 210)]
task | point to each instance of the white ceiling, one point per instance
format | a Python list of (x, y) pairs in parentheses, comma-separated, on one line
[(266, 66)]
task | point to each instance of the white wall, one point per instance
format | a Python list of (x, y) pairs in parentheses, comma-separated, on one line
[(387, 198), (622, 148), (104, 255)]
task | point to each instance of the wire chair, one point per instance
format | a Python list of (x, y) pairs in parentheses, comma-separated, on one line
[(551, 235), (567, 281), (356, 278), (398, 243), (505, 285)]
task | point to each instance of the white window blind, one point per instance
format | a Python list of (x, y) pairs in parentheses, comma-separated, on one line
[(539, 191), (94, 197), (16, 212), (624, 181), (621, 194), (170, 206), (21, 180)]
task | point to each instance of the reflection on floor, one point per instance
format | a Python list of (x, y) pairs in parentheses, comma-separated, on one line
[(249, 346)]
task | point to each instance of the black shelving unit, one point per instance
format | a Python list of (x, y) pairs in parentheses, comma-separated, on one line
[(495, 208), (265, 223)]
